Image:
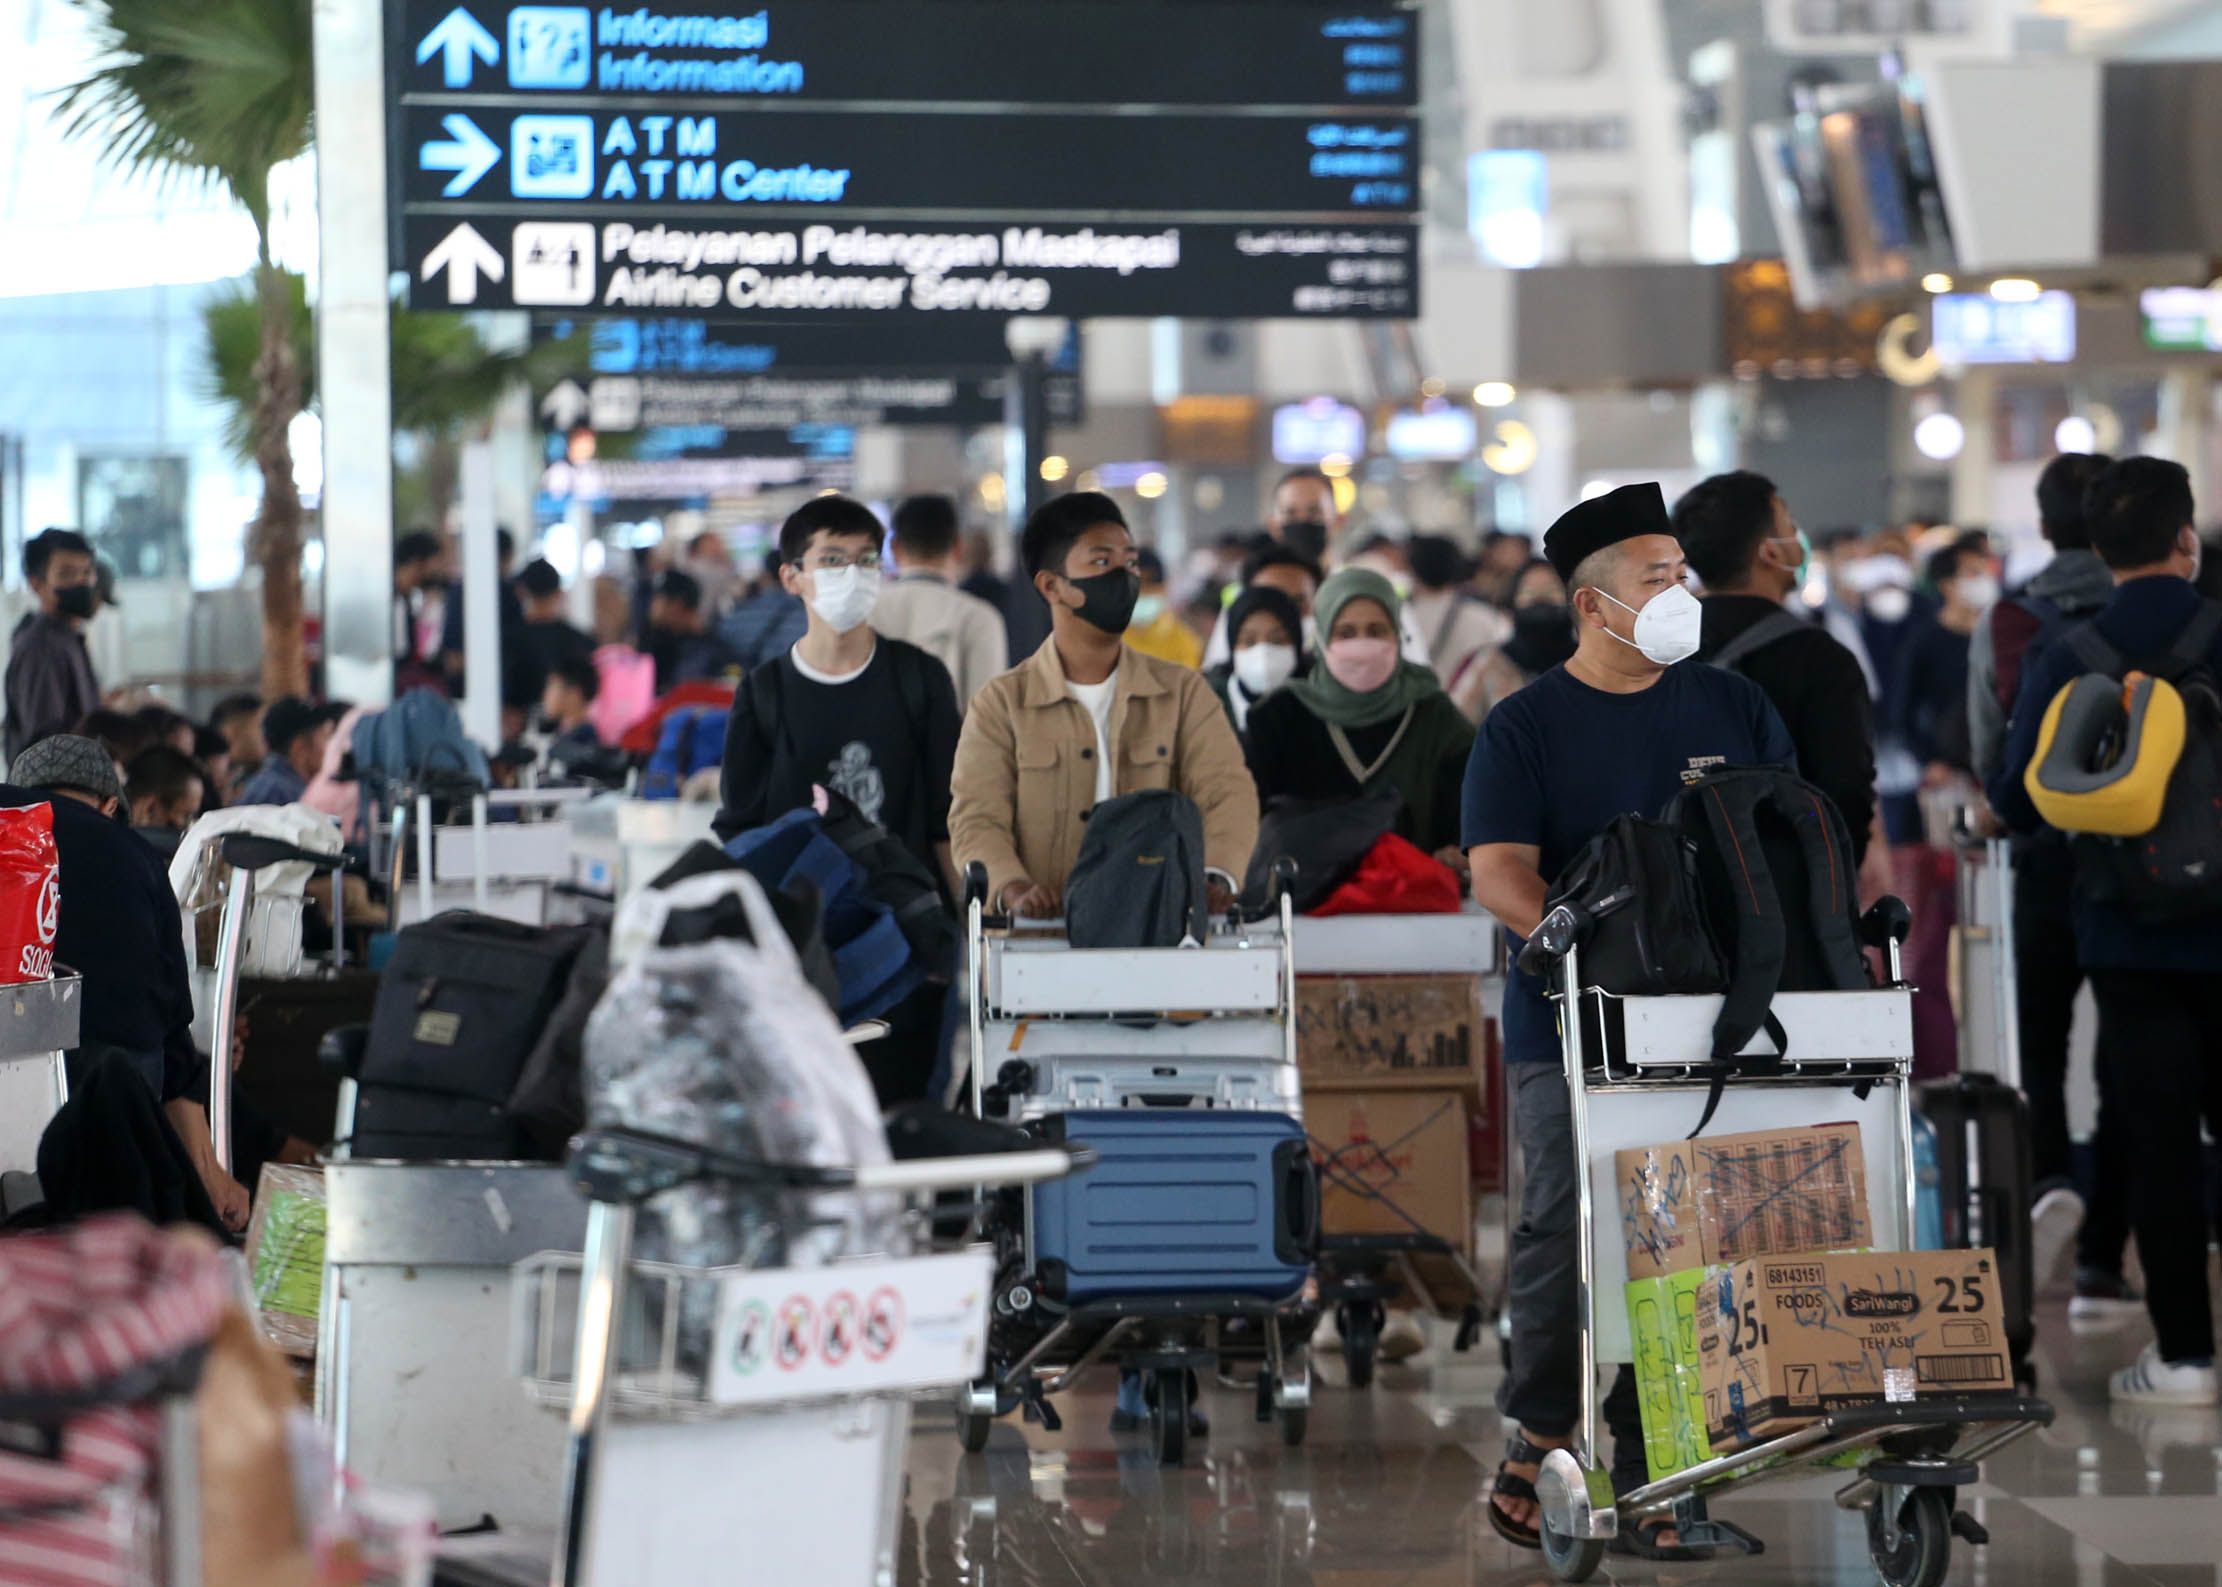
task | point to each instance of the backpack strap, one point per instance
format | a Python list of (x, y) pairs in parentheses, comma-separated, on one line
[(1727, 805), (1769, 629), (2195, 645), (2092, 648)]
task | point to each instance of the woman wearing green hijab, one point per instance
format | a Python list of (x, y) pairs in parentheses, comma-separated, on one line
[(1365, 719)]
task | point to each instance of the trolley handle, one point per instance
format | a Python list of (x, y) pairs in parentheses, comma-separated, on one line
[(626, 1167), (1559, 932)]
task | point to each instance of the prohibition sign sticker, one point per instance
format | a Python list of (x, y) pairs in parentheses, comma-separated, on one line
[(797, 1333), (752, 1338), (837, 1340), (883, 1324)]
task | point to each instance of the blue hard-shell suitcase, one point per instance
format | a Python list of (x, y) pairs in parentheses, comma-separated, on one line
[(1178, 1202)]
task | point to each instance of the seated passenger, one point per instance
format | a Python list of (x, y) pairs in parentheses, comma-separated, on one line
[(567, 704), (164, 791), (1268, 632), (296, 732), (1085, 719), (118, 928), (1365, 719)]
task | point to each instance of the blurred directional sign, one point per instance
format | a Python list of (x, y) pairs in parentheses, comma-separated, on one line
[(636, 374), (908, 158)]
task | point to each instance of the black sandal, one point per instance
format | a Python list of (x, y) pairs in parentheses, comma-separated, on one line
[(1517, 1449), (1637, 1540)]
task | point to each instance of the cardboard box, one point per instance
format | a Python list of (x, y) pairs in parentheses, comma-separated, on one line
[(1724, 1198), (1390, 1160), (1378, 1032), (1662, 1322), (1784, 1339)]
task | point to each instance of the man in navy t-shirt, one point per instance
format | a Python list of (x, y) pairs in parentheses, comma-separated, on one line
[(1620, 728)]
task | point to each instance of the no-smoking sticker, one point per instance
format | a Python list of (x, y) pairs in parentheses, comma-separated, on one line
[(752, 1337), (797, 1333), (837, 1341), (883, 1324)]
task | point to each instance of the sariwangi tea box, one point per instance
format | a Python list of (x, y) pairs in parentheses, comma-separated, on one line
[(1662, 1323), (1723, 1198), (1783, 1340)]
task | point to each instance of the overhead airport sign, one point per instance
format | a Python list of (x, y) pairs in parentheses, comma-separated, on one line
[(908, 157), (616, 404)]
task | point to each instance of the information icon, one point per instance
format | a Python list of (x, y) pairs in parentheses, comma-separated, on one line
[(552, 264), (551, 156), (550, 46)]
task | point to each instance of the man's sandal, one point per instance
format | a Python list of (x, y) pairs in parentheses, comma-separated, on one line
[(1517, 1451)]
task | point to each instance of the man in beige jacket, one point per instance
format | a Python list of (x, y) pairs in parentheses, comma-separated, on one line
[(924, 606), (1086, 718)]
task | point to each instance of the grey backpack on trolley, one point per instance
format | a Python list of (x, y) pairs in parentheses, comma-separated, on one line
[(1139, 881)]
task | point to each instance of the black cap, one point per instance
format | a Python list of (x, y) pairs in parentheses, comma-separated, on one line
[(287, 719), (1588, 527)]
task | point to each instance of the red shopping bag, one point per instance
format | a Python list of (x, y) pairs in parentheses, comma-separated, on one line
[(30, 893)]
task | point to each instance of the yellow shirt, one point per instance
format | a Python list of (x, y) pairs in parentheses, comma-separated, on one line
[(1168, 639)]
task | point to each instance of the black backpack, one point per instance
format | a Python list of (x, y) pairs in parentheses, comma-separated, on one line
[(1779, 892), (1139, 881), (1637, 881), (2174, 872)]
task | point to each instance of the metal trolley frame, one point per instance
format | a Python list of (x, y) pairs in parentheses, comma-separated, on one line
[(1926, 1448), (1197, 1000), (619, 1171)]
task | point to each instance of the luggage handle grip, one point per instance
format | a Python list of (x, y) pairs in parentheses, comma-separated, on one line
[(1299, 1199)]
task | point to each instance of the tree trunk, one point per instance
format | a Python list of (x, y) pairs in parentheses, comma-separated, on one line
[(274, 539)]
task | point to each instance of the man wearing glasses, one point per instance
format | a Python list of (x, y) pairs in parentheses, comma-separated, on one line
[(857, 713)]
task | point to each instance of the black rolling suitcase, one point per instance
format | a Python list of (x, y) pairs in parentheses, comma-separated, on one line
[(460, 1009), (1985, 1174)]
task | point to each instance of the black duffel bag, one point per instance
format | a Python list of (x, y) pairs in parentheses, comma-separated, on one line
[(461, 1007)]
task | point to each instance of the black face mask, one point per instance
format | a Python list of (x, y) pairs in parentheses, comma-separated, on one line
[(78, 600), (1307, 535), (1542, 637), (1107, 599)]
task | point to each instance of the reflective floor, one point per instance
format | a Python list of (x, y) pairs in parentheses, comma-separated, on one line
[(1386, 1493)]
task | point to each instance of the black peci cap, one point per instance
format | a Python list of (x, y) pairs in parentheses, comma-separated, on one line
[(1590, 526)]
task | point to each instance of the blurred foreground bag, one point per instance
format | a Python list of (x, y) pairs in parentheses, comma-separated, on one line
[(30, 893)]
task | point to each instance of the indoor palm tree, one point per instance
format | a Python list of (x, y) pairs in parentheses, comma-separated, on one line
[(197, 91)]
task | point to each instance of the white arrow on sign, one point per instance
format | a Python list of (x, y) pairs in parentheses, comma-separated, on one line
[(566, 405), (457, 40), (463, 254), (470, 156)]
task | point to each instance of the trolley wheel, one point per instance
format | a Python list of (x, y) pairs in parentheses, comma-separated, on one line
[(1571, 1559), (1924, 1546), (973, 1430), (1169, 1415), (1360, 1325), (1296, 1420)]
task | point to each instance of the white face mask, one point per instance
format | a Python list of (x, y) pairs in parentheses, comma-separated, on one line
[(1889, 604), (1667, 626), (1980, 591), (844, 596), (1263, 668)]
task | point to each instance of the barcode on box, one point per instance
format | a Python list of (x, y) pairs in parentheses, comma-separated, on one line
[(1960, 1369)]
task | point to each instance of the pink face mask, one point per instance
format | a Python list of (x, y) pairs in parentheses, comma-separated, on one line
[(1362, 665)]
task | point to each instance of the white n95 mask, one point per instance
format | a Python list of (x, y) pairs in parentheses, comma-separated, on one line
[(1667, 626), (1264, 668)]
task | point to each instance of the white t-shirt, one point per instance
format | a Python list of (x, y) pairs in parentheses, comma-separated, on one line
[(1097, 698), (829, 678)]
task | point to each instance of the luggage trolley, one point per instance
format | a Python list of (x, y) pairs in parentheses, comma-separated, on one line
[(1167, 1036), (1625, 1058), (775, 1433)]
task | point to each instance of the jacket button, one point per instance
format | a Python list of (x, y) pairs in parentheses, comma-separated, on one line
[(1087, 754), (1161, 749)]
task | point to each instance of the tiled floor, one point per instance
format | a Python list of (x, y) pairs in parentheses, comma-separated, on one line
[(1386, 1493)]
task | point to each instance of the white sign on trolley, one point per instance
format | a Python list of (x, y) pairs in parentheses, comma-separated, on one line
[(859, 1328)]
